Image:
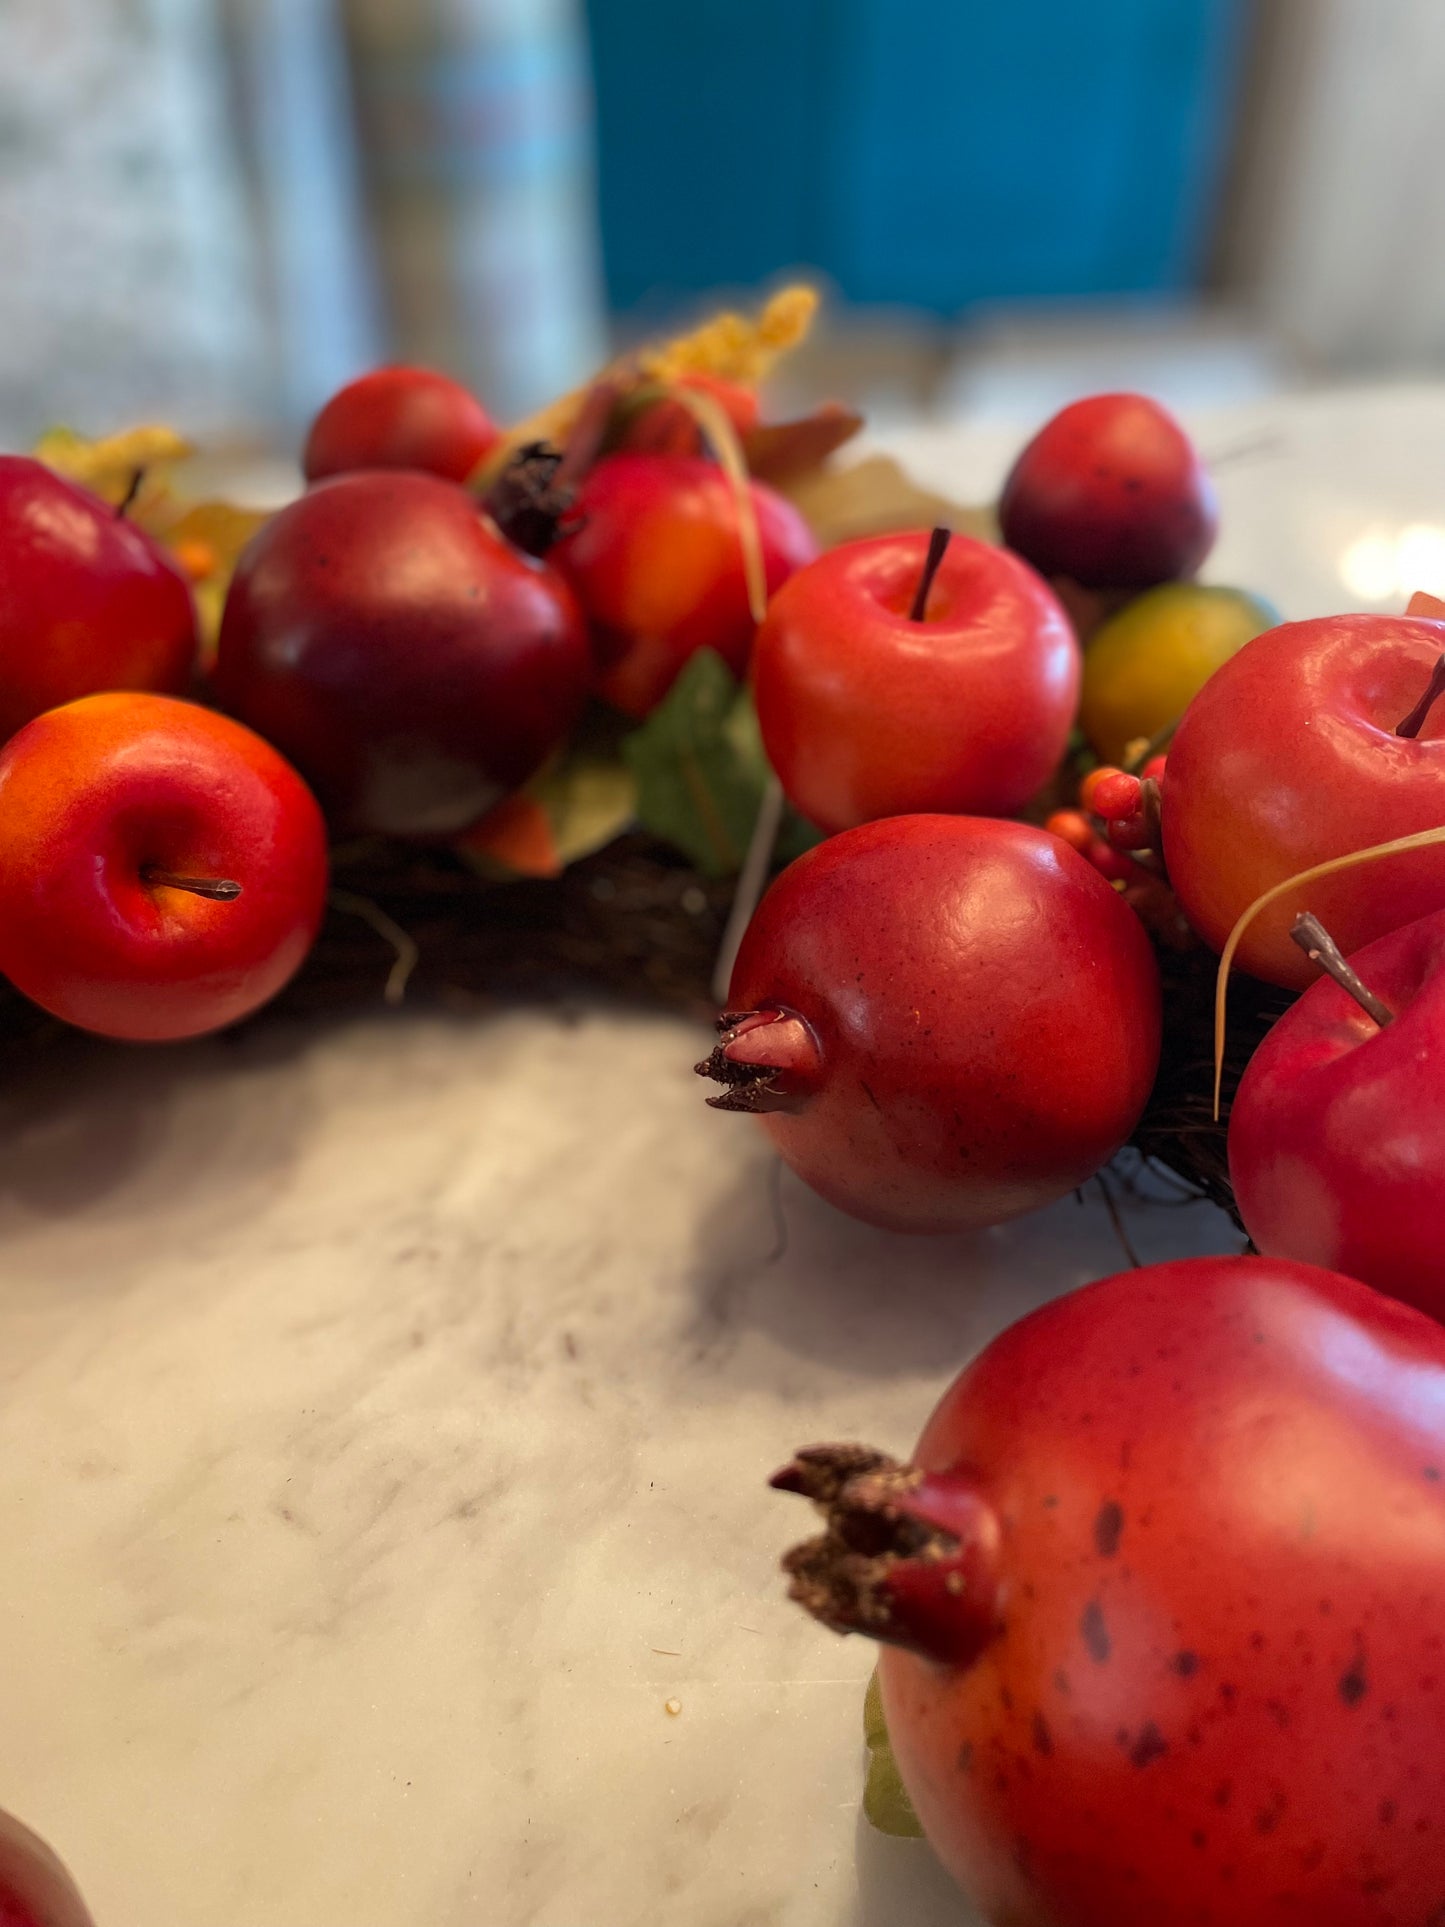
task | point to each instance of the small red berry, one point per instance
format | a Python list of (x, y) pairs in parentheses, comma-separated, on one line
[(1110, 793), (1075, 829), (1153, 770), (1111, 864), (1132, 832)]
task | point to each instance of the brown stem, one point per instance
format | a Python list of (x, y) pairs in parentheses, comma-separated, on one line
[(766, 1060), (937, 546), (1412, 724), (588, 432), (127, 501), (1320, 947), (1161, 739), (214, 889), (908, 1557)]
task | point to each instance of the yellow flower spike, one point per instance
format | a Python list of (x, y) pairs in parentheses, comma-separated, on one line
[(1397, 846), (729, 346), (109, 466)]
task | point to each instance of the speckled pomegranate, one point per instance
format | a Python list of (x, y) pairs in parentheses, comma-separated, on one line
[(1163, 1603)]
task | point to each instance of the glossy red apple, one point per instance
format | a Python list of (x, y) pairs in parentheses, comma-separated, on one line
[(162, 870), (1337, 1131), (657, 561), (1110, 493), (412, 664), (87, 600), (893, 679), (400, 418), (1292, 754), (941, 1021)]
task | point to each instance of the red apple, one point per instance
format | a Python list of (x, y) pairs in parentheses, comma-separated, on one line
[(411, 663), (400, 418), (1337, 1132), (1112, 494), (1290, 755), (162, 870), (869, 710), (87, 600), (656, 558)]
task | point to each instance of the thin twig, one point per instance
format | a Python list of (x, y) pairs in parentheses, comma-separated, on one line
[(1111, 1205), (754, 874), (372, 914), (780, 1222)]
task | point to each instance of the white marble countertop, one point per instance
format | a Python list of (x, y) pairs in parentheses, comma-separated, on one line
[(387, 1414), (388, 1408)]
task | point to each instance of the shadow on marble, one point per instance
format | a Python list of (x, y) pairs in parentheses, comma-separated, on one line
[(773, 1257), (900, 1880), (133, 1129)]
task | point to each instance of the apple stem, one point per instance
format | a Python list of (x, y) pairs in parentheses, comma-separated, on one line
[(127, 501), (214, 889), (1415, 721), (937, 544), (1320, 947)]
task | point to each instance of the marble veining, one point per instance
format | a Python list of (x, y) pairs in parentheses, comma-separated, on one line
[(386, 1416)]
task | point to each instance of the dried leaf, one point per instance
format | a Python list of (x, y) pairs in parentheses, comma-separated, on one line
[(729, 345), (570, 809), (874, 497), (886, 1804), (776, 451), (206, 539), (109, 466), (701, 770)]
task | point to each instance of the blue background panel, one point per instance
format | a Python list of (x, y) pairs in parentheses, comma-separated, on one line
[(934, 153)]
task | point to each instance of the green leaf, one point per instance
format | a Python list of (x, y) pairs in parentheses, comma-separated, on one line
[(700, 770), (886, 1804)]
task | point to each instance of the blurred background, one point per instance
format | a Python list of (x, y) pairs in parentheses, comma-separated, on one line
[(216, 211)]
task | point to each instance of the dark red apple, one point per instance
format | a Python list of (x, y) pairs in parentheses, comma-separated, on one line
[(1111, 493), (868, 709), (1337, 1132), (400, 418), (412, 664), (87, 600)]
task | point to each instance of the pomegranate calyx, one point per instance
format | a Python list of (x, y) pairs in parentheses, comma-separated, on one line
[(908, 1557), (766, 1060), (526, 502)]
